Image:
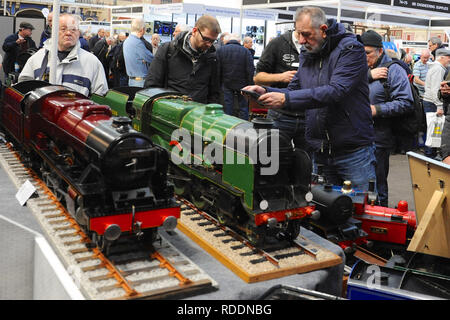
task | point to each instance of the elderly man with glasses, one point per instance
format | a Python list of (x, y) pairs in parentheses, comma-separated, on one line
[(75, 68), (188, 64)]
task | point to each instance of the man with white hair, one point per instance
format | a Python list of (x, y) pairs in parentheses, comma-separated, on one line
[(156, 40), (76, 68), (180, 28), (137, 56), (248, 43)]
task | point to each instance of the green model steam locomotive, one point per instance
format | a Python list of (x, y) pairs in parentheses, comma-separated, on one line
[(245, 173)]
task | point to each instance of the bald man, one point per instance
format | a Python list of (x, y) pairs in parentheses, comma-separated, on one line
[(47, 33), (100, 34), (420, 70)]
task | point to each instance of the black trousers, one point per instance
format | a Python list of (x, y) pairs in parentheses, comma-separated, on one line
[(382, 172)]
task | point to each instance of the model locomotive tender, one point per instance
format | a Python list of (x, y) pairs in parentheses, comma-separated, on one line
[(112, 179), (212, 163)]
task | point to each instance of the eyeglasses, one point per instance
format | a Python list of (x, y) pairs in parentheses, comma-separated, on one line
[(207, 39), (71, 30)]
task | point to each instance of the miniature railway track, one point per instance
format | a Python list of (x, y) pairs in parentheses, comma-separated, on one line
[(129, 272), (369, 256), (210, 224)]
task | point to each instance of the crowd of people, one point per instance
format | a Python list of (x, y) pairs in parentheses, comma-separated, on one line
[(338, 95)]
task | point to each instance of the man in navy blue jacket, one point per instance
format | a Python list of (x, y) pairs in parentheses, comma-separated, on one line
[(17, 44), (384, 107), (332, 86), (236, 70)]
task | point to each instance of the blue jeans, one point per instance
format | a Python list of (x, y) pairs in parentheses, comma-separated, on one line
[(136, 83), (292, 127), (429, 107), (358, 167), (229, 98)]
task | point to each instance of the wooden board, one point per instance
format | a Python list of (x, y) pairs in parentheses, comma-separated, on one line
[(262, 271), (431, 189)]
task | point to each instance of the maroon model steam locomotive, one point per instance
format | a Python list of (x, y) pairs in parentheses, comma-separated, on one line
[(112, 179)]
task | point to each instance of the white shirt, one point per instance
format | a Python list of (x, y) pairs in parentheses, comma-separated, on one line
[(433, 80)]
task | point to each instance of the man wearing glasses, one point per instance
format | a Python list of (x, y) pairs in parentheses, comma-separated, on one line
[(76, 68), (188, 63)]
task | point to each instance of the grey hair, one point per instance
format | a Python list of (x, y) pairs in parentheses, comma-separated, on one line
[(75, 17), (231, 36), (436, 40), (317, 15), (137, 24), (425, 51), (183, 27), (247, 40), (392, 54)]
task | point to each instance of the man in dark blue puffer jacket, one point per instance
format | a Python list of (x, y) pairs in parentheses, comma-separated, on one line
[(389, 97), (332, 86), (236, 70)]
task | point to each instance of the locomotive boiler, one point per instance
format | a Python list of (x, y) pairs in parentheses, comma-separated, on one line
[(110, 177), (336, 222), (351, 217), (245, 173)]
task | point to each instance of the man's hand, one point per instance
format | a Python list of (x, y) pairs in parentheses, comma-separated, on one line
[(287, 76), (447, 160), (374, 110), (19, 41), (445, 88), (440, 112), (379, 73), (256, 88), (273, 100)]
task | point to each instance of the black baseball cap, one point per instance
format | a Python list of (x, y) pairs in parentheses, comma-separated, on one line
[(26, 25)]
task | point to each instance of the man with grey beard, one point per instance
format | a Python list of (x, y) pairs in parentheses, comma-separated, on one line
[(331, 86)]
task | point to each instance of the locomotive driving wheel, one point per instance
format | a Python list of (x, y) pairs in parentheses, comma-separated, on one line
[(292, 230), (198, 200), (180, 187), (150, 236), (51, 180)]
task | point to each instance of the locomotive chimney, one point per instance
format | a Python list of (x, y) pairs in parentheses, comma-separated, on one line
[(262, 123), (123, 124)]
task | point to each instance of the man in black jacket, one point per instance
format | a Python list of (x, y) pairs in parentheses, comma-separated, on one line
[(101, 50), (445, 146), (17, 44), (188, 64), (100, 34), (276, 68), (47, 33), (236, 71)]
